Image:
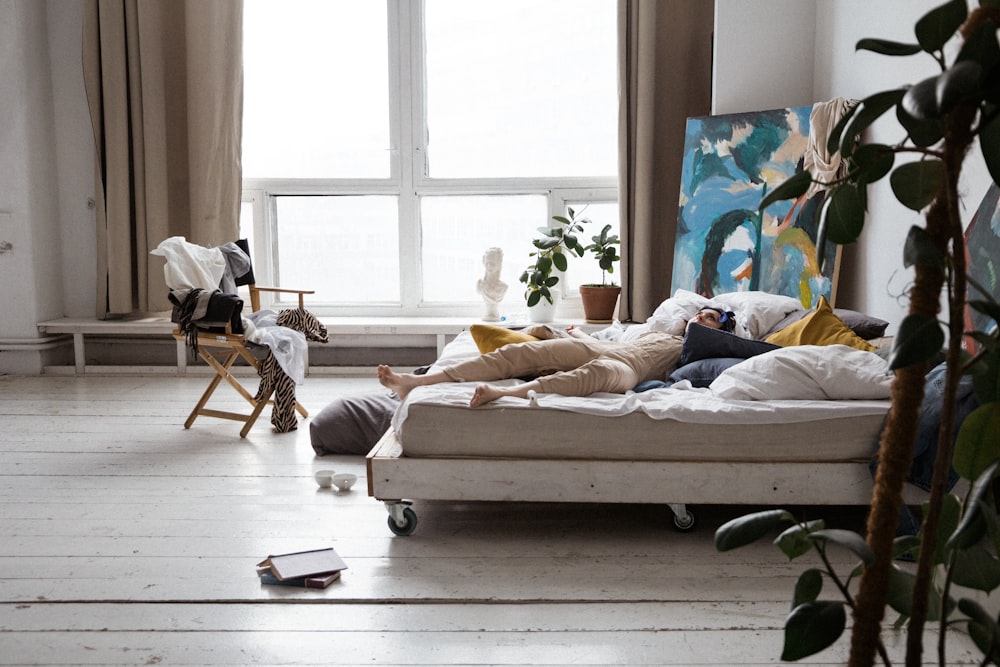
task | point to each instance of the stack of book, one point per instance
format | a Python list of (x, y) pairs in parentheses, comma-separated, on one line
[(309, 569)]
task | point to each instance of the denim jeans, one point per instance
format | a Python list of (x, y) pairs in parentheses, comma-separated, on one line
[(926, 445)]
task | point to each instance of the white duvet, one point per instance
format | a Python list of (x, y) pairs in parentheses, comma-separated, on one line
[(788, 385)]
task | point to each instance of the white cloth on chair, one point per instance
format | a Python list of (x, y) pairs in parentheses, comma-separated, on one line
[(288, 346), (190, 266)]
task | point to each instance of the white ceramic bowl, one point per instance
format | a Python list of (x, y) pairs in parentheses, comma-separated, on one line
[(324, 478), (344, 480)]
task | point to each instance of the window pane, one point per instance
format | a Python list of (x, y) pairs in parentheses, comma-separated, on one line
[(316, 101), (585, 270), (457, 231), (345, 248), (521, 88)]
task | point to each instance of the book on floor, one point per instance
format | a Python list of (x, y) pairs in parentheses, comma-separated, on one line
[(316, 581), (316, 569)]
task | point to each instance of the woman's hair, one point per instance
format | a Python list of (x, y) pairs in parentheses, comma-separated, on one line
[(727, 318)]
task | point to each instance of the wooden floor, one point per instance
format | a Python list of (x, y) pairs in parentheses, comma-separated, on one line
[(125, 539)]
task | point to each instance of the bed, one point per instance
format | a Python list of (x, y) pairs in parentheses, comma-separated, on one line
[(772, 424)]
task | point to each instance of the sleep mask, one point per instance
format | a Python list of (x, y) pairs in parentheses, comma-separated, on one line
[(727, 318)]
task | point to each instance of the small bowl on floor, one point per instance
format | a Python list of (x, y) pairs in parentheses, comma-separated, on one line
[(324, 478), (344, 481)]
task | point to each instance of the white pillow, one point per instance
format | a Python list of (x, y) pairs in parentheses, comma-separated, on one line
[(806, 372), (672, 315), (759, 311), (756, 312)]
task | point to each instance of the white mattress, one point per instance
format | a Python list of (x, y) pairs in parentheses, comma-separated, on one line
[(678, 423)]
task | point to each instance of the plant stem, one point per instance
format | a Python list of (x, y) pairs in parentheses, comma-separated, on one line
[(944, 226)]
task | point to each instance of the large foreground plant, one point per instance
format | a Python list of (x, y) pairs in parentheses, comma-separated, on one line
[(941, 117)]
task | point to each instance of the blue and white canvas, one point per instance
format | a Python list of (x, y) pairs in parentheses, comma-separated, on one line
[(723, 243)]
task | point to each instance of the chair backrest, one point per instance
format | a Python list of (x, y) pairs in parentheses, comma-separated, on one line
[(249, 281)]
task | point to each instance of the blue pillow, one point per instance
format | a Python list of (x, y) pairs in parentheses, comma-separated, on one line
[(701, 342), (650, 384), (701, 373)]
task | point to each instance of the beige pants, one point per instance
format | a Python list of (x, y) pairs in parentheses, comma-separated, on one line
[(576, 366)]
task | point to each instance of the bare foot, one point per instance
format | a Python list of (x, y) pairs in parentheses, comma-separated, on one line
[(399, 383), (484, 394)]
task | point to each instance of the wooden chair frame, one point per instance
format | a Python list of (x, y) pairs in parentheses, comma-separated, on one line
[(231, 347)]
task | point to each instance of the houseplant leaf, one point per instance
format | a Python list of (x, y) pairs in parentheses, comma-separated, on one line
[(793, 188), (887, 47), (915, 184), (812, 627), (971, 528), (976, 568), (957, 84), (922, 131), (937, 26), (989, 144), (843, 217), (918, 340), (794, 541), (978, 442), (749, 528), (951, 514), (873, 161), (919, 249), (982, 628), (847, 539), (920, 100), (808, 587), (869, 110)]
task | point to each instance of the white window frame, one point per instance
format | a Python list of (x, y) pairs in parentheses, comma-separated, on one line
[(408, 180)]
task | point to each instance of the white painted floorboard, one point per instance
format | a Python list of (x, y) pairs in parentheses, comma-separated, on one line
[(127, 540)]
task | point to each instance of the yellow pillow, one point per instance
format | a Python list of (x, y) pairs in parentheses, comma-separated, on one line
[(820, 327), (489, 338)]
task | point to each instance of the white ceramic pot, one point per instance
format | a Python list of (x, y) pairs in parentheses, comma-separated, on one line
[(543, 312)]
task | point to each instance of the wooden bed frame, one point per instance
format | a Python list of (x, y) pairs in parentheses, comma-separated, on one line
[(393, 478)]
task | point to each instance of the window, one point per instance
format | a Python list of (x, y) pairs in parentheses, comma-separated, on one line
[(388, 145)]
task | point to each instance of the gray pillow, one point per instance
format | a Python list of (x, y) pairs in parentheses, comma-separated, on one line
[(701, 373), (701, 342), (352, 424), (865, 326)]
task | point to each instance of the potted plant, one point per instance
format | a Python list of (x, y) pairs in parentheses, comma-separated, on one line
[(550, 256), (599, 301), (941, 117)]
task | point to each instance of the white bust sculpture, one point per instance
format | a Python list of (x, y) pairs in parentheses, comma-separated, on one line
[(490, 286)]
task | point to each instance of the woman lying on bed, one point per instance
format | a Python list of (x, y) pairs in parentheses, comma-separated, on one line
[(574, 366)]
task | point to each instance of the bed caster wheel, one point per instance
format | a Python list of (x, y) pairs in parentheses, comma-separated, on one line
[(684, 522), (404, 522)]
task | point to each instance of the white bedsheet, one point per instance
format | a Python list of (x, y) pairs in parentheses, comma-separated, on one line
[(681, 402)]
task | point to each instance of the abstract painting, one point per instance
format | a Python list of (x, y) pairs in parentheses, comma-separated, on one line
[(723, 243), (982, 247)]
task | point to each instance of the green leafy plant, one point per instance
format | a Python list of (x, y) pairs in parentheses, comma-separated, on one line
[(602, 247), (940, 118), (550, 254)]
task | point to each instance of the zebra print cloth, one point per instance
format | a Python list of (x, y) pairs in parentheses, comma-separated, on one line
[(273, 377)]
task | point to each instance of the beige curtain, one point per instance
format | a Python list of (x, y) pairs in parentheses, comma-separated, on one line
[(164, 81), (665, 74)]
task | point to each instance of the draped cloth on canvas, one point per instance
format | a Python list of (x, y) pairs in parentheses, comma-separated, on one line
[(164, 82), (824, 166), (665, 77)]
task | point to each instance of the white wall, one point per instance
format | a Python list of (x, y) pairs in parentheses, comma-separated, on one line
[(30, 227), (74, 162), (763, 54), (881, 279), (749, 32)]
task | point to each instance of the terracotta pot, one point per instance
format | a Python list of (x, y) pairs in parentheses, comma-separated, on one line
[(599, 302)]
